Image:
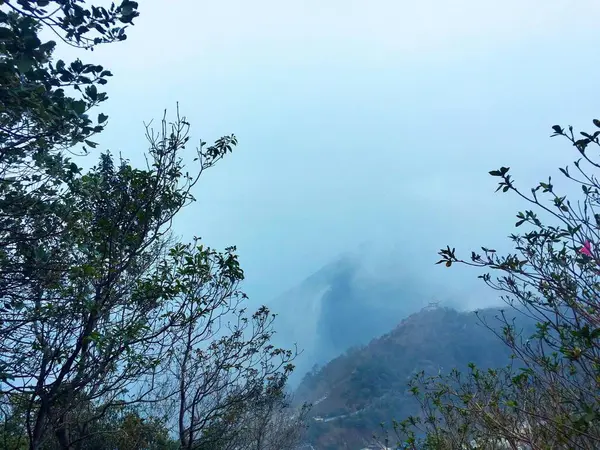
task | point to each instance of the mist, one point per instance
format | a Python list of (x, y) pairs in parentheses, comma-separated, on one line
[(366, 129)]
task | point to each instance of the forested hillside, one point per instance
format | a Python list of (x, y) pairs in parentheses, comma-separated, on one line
[(366, 386)]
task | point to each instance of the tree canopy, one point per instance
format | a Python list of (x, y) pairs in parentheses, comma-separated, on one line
[(108, 323)]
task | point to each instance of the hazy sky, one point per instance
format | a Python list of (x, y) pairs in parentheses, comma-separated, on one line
[(358, 121)]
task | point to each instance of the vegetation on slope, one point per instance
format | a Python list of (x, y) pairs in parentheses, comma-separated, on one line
[(355, 392)]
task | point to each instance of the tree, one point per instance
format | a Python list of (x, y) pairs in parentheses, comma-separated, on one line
[(271, 424), (122, 428), (264, 421), (114, 307), (44, 112), (551, 400), (100, 301), (222, 362), (38, 117)]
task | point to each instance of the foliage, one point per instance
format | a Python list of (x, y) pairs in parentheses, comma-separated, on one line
[(122, 428), (264, 420), (99, 304), (38, 115), (44, 111), (94, 309), (219, 360), (553, 401)]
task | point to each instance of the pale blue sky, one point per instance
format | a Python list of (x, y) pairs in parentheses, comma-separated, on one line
[(357, 120)]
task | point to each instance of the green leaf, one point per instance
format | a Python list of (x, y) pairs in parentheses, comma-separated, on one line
[(24, 64), (102, 118), (47, 47), (5, 33), (79, 106), (92, 92), (31, 42), (595, 334)]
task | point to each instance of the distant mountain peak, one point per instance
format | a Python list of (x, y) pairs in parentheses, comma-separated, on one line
[(338, 307)]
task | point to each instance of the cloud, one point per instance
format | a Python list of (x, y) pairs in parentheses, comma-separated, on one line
[(358, 120)]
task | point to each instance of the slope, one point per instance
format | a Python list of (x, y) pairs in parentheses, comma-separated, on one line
[(338, 308), (355, 392)]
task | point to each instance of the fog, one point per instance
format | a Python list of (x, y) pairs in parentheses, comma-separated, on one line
[(365, 128)]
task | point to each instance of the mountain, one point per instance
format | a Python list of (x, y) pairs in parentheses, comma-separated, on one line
[(339, 307), (355, 392)]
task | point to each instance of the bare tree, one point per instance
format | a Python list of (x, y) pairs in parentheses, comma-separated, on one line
[(222, 363), (272, 424), (264, 421)]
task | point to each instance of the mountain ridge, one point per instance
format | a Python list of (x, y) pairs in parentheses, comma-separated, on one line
[(338, 307), (356, 391)]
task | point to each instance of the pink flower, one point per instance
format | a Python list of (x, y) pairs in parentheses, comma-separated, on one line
[(586, 249)]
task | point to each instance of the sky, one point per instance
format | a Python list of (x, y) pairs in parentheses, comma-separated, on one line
[(361, 124)]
